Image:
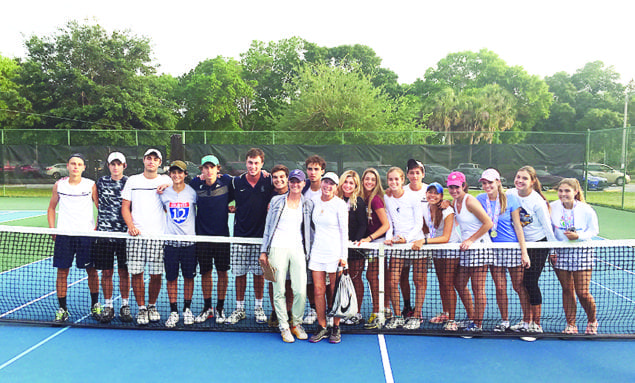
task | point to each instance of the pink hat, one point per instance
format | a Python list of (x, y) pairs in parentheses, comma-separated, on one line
[(490, 175), (456, 179)]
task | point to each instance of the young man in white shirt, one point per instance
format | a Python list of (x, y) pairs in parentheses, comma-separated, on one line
[(76, 196), (143, 213)]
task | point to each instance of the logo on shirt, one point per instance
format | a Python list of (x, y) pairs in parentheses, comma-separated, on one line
[(179, 211)]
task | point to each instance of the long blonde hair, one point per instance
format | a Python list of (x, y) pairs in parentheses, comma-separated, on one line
[(575, 184), (352, 200), (378, 190)]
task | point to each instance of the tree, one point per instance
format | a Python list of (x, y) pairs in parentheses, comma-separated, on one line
[(88, 78), (214, 96), (336, 98), (11, 103)]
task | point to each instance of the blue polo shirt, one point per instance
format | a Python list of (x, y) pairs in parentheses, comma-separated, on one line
[(251, 206), (212, 214)]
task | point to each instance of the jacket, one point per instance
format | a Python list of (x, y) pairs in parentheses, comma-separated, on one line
[(273, 216)]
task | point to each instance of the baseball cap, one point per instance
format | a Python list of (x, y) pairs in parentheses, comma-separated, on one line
[(412, 164), (437, 186), (456, 179), (153, 151), (117, 156), (211, 159), (331, 176), (178, 164), (77, 155), (490, 175), (297, 174)]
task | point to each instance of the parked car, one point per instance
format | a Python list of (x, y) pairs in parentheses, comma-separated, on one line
[(56, 171), (594, 183), (467, 165), (436, 173), (547, 180), (473, 175), (601, 170)]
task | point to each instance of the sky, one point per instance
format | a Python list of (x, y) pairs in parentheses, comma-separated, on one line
[(544, 37)]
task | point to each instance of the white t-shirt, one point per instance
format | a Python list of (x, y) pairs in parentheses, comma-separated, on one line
[(75, 206), (313, 195), (181, 213), (405, 215), (331, 230), (536, 208), (421, 193), (147, 210)]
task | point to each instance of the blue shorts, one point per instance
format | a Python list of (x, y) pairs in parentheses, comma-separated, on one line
[(183, 256), (66, 247)]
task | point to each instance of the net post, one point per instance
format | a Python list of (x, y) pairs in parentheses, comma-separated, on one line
[(380, 258)]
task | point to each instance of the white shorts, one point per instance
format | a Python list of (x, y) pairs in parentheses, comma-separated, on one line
[(476, 258), (574, 259), (330, 267), (142, 252), (244, 259), (507, 257)]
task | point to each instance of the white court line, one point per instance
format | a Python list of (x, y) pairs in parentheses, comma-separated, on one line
[(614, 292), (39, 299), (28, 264), (385, 360), (39, 214)]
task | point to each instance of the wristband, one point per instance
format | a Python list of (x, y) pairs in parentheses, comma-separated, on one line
[(426, 241), (371, 237)]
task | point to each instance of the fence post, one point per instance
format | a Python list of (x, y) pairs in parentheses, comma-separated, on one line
[(68, 137), (586, 161)]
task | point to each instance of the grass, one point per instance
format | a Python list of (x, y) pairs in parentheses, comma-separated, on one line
[(25, 191)]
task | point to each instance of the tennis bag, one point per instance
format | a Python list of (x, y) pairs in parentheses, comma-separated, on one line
[(345, 300)]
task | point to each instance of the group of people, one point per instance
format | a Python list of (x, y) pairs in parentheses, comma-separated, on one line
[(310, 224)]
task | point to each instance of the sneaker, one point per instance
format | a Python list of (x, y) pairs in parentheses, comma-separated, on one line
[(311, 317), (354, 320), (387, 313), (273, 320), (61, 315), (534, 327), (450, 325), (220, 316), (408, 312), (125, 314), (260, 315), (474, 328), (204, 315), (412, 323), (502, 326), (95, 311), (188, 317), (173, 319), (440, 318), (142, 317), (237, 315), (374, 322), (395, 322), (592, 328), (322, 333), (153, 314), (521, 326), (286, 335), (107, 314), (299, 332), (570, 329), (336, 335), (463, 323)]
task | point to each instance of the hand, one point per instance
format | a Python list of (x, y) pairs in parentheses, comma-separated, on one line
[(367, 239), (553, 258), (445, 204), (525, 262), (263, 258), (161, 188), (466, 244), (571, 235), (417, 244), (398, 239), (343, 262), (388, 242), (132, 230)]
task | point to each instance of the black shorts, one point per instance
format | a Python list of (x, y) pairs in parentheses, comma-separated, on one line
[(208, 253), (356, 254), (104, 251)]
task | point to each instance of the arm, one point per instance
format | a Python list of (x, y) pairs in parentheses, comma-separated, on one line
[(521, 238), (126, 213), (475, 208), (342, 218), (389, 231), (50, 212), (590, 220), (542, 213), (448, 226)]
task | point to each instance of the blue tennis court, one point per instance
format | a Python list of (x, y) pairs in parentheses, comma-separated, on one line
[(15, 215)]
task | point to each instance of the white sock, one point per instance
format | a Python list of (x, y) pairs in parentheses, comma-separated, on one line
[(125, 302), (258, 303), (108, 303), (240, 305)]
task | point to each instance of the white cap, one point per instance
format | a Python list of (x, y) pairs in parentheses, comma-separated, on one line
[(155, 151), (117, 156), (331, 176), (490, 175)]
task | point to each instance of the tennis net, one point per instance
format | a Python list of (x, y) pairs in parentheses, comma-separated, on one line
[(30, 283)]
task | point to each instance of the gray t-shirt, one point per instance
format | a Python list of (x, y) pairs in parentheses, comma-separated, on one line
[(181, 213)]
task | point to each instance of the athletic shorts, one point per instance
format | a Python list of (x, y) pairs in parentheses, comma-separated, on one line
[(446, 254), (357, 254), (507, 257), (476, 258), (210, 253), (67, 247), (574, 259), (103, 253), (184, 256), (142, 252), (330, 267), (407, 255), (244, 259)]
